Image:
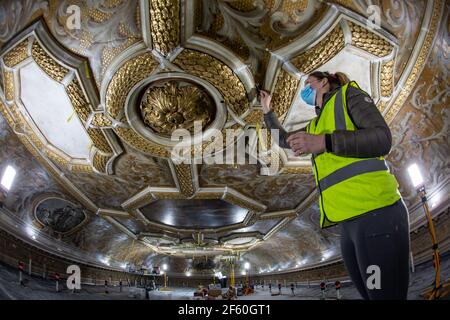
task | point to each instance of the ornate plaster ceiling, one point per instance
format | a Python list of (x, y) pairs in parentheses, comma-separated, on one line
[(95, 108)]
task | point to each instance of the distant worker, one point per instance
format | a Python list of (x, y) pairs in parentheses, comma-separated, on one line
[(106, 286), (322, 290), (337, 284), (56, 277)]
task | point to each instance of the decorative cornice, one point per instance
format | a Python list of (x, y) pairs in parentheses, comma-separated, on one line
[(418, 58)]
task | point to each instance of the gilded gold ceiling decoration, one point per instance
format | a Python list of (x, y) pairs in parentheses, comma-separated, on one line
[(175, 105), (9, 85), (125, 78), (361, 38), (364, 39), (285, 89), (218, 74), (320, 53), (185, 179), (50, 66), (44, 161), (17, 54), (249, 27), (387, 78), (165, 25)]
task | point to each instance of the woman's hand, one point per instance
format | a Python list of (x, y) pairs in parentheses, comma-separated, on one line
[(265, 98), (303, 143)]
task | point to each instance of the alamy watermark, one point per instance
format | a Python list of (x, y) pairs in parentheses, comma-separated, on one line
[(374, 280), (73, 21), (74, 280), (374, 17), (231, 148)]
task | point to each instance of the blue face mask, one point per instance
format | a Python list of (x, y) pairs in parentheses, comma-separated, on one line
[(308, 95)]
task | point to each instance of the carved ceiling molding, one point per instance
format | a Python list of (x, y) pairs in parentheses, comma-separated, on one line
[(177, 247), (403, 88), (48, 164), (318, 46), (74, 73), (390, 97), (341, 29), (165, 24), (169, 242), (400, 90), (133, 71), (240, 240), (36, 45), (103, 212), (152, 237), (243, 72), (100, 119), (278, 227), (108, 215), (307, 169), (199, 245), (166, 48), (185, 177)]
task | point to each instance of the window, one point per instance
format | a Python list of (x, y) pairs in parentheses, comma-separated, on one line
[(8, 177)]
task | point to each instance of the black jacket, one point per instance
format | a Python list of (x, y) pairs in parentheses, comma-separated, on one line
[(371, 139)]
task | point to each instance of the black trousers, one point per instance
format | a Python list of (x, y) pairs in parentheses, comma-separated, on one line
[(379, 238)]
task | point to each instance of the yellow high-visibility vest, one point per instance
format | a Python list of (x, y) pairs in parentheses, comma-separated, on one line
[(348, 187)]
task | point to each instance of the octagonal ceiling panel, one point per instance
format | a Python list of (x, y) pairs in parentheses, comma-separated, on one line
[(53, 113), (194, 214), (262, 226), (347, 59), (49, 98)]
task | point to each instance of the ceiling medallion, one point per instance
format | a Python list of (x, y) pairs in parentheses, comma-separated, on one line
[(169, 105), (162, 103)]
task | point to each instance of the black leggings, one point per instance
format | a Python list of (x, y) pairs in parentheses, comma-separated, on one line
[(381, 238)]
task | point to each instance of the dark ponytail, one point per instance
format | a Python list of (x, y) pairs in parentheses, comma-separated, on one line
[(337, 79)]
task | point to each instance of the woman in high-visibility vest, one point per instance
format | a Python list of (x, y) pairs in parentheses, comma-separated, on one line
[(347, 141)]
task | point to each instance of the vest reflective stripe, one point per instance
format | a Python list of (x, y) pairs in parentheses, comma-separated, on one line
[(353, 169), (339, 116), (348, 187)]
